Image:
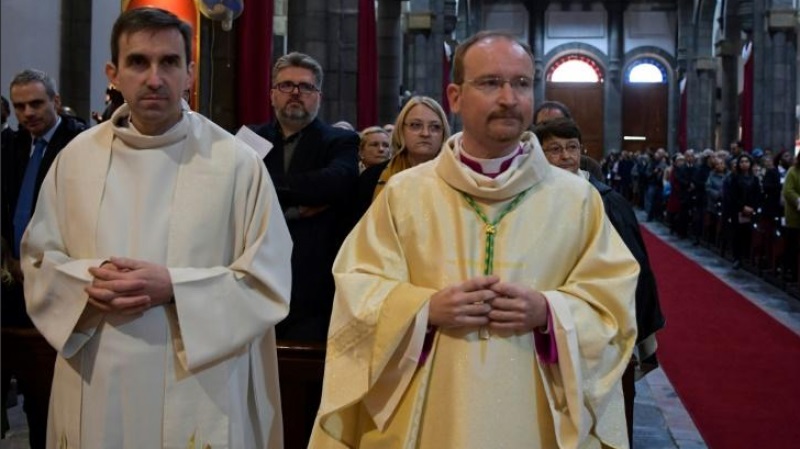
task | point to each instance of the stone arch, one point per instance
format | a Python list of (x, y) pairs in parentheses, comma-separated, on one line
[(704, 24), (670, 63), (576, 48), (667, 60)]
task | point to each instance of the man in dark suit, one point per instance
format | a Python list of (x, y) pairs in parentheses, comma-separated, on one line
[(315, 170), (7, 130), (314, 167), (31, 150)]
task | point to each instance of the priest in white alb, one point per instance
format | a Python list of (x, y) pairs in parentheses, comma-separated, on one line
[(484, 300), (157, 264)]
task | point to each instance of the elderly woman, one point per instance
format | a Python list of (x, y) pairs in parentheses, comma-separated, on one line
[(374, 147), (419, 132)]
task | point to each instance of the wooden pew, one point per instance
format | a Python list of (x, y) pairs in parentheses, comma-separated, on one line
[(301, 366)]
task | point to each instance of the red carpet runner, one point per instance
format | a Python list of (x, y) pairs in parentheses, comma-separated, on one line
[(735, 368)]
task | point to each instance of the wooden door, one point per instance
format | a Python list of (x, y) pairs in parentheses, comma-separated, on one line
[(644, 114), (585, 103)]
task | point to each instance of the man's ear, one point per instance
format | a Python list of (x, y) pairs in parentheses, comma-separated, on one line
[(190, 79), (454, 97), (111, 73)]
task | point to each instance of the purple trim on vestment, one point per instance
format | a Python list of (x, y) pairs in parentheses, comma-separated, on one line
[(545, 344)]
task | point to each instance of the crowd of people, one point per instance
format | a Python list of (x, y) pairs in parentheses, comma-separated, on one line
[(164, 259), (743, 204)]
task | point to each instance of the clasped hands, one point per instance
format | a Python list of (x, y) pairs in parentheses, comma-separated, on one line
[(129, 286), (486, 301)]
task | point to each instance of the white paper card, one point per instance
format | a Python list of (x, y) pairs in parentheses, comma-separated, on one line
[(256, 142)]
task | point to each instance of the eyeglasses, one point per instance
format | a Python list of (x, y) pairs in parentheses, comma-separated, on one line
[(521, 85), (417, 127), (288, 87), (556, 149)]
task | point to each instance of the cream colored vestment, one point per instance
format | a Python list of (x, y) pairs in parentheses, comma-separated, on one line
[(201, 372), (420, 236)]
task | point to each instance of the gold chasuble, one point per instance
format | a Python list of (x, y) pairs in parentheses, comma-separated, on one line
[(477, 389)]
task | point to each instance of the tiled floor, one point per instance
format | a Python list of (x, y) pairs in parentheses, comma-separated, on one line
[(660, 420)]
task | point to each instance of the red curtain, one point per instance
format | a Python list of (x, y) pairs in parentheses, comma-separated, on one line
[(746, 98), (254, 62), (682, 144), (367, 65)]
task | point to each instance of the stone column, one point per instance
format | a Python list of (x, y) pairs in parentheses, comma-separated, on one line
[(328, 31), (390, 59), (76, 59), (728, 50), (683, 56), (781, 77), (702, 103), (537, 12), (426, 47), (762, 63), (612, 104)]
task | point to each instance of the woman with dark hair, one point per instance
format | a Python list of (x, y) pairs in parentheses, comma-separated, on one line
[(741, 199)]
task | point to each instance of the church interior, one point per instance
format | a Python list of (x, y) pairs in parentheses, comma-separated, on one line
[(702, 81)]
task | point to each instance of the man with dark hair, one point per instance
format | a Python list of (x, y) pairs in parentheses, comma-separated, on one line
[(561, 143), (156, 264), (549, 110), (27, 157), (315, 170), (470, 310)]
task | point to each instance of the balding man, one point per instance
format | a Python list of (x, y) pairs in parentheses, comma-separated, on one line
[(470, 309)]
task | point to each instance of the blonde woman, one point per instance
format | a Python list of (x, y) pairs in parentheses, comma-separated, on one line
[(419, 132), (373, 148)]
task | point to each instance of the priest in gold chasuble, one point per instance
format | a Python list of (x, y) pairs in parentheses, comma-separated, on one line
[(484, 300)]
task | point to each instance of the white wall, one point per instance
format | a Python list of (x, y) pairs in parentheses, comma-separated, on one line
[(30, 36), (651, 28), (104, 13), (511, 17), (566, 27)]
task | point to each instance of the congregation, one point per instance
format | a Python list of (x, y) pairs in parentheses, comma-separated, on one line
[(145, 307), (742, 204)]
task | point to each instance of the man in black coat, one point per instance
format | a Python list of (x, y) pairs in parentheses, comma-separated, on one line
[(25, 353), (561, 143), (315, 170)]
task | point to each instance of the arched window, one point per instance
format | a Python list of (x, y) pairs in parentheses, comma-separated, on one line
[(575, 69), (646, 70)]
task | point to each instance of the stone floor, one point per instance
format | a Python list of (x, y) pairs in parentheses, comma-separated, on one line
[(660, 420)]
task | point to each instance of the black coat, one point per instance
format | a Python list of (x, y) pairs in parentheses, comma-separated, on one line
[(15, 160), (772, 187), (322, 174), (367, 182), (739, 191), (649, 318)]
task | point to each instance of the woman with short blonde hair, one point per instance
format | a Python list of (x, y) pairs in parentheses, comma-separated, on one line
[(373, 148)]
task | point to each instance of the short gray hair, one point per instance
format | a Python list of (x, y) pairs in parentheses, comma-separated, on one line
[(302, 60), (33, 76)]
